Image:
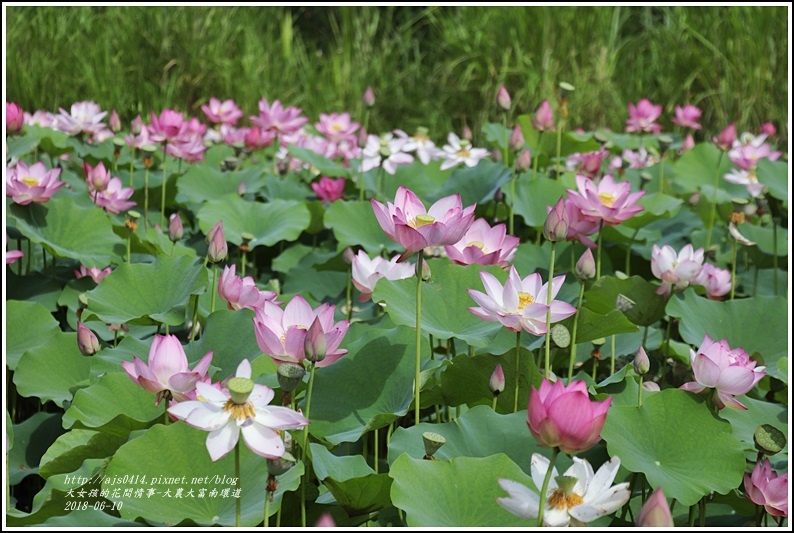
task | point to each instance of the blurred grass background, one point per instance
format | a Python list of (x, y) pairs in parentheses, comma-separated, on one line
[(434, 66)]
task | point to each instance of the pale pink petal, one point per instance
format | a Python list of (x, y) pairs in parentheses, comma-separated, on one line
[(223, 440)]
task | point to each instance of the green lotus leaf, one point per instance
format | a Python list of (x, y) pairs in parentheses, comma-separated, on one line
[(320, 162), (31, 440), (354, 224), (28, 325), (678, 444), (69, 451), (475, 184), (53, 370), (202, 183)]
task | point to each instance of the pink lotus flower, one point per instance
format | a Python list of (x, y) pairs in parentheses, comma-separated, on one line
[(15, 118), (588, 163), (242, 293), (140, 140), (765, 487), (188, 149), (367, 272), (484, 245), (687, 117), (337, 126), (225, 112), (43, 119), (114, 122), (687, 144), (97, 274), (96, 177), (503, 98), (520, 303), (329, 190), (421, 144), (13, 255), (278, 119), (565, 417), (460, 151), (517, 139), (166, 372), (676, 270), (115, 198), (728, 372), (768, 129), (368, 98), (385, 151), (642, 117), (407, 222), (716, 280), (655, 512), (281, 333), (639, 159), (750, 151), (607, 201), (543, 119), (83, 117), (726, 138), (34, 183), (241, 407), (585, 266), (175, 228), (256, 138), (166, 128), (747, 178), (580, 227)]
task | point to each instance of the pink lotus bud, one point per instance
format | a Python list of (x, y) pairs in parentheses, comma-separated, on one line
[(694, 199), (175, 229), (503, 98), (651, 386), (114, 122), (688, 143), (497, 381), (768, 129), (86, 340), (556, 226), (466, 134), (724, 140), (543, 119), (517, 139), (315, 344), (217, 243), (241, 188), (496, 155), (348, 255), (15, 118), (363, 137), (523, 161), (325, 520), (655, 512), (585, 266), (97, 177), (369, 97), (137, 125), (641, 362)]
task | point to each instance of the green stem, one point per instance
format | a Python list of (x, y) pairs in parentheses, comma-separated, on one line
[(572, 359), (542, 504), (388, 434), (214, 288), (129, 246), (432, 350), (166, 419), (548, 311), (639, 394), (733, 269), (598, 259), (535, 158), (19, 261), (194, 320), (692, 515), (242, 264), (29, 257), (493, 404), (306, 445), (518, 369), (375, 459), (714, 201), (417, 377), (667, 337), (612, 360), (703, 512), (774, 257), (661, 175), (349, 293), (132, 166), (266, 522), (146, 199), (559, 147), (628, 252), (237, 475), (595, 368), (162, 195)]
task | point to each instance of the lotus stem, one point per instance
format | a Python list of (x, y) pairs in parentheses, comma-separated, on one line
[(713, 216), (548, 311), (572, 359), (237, 475), (535, 162), (214, 289), (162, 195), (518, 369), (417, 376), (146, 199), (733, 269), (542, 505), (612, 360)]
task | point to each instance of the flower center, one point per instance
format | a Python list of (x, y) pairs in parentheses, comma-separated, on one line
[(606, 198), (423, 220), (465, 154), (478, 244), (752, 178), (524, 299), (560, 500), (337, 127), (239, 411), (30, 181)]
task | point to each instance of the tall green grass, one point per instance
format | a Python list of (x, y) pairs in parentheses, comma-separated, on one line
[(433, 66)]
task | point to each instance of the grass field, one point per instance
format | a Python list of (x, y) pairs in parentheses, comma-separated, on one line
[(433, 66)]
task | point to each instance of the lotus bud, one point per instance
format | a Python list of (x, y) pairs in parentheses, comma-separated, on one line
[(724, 140), (556, 226), (426, 274), (499, 195), (497, 381), (362, 137), (218, 249), (655, 512), (137, 125), (348, 255), (651, 386), (768, 129), (86, 340), (768, 439), (523, 161), (517, 139), (290, 376), (240, 389), (314, 344), (543, 119), (432, 441), (368, 97), (496, 155), (641, 362), (466, 134), (15, 118), (687, 144), (114, 122), (585, 266), (175, 229), (503, 98), (694, 199)]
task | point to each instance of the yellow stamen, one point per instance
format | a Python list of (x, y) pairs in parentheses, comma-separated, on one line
[(465, 154), (478, 244), (30, 181), (524, 299), (423, 220), (606, 198), (560, 500), (241, 411)]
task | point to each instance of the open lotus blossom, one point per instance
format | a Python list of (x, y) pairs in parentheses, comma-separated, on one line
[(580, 227), (716, 280), (240, 407), (749, 150), (242, 293), (281, 333), (676, 270), (275, 118), (96, 177), (484, 245), (385, 151), (459, 151), (190, 149), (765, 487), (588, 163), (82, 117), (543, 120), (642, 117), (44, 119), (168, 127), (728, 372), (608, 201), (577, 497), (367, 272), (687, 117), (747, 178), (329, 190), (564, 417), (337, 127), (225, 112), (256, 138), (520, 303), (639, 159), (655, 512), (15, 118), (13, 255), (409, 223), (115, 198), (166, 372), (32, 184), (724, 141), (420, 144), (97, 274)]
